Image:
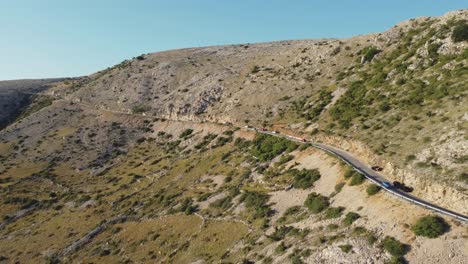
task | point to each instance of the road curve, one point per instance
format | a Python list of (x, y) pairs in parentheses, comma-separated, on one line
[(348, 158), (370, 174)]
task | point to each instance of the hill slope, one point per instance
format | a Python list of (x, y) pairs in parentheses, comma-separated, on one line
[(140, 162)]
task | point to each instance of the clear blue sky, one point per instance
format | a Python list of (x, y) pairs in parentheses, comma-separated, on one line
[(55, 38)]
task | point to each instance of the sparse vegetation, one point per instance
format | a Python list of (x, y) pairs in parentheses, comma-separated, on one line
[(203, 193), (346, 248), (357, 179), (394, 247), (460, 33), (304, 178), (316, 203), (369, 53), (257, 202), (333, 212), (350, 218), (372, 189), (140, 108), (339, 187), (266, 147), (430, 226), (186, 133)]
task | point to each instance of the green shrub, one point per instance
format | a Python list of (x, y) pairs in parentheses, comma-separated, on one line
[(304, 146), (397, 260), (295, 257), (187, 206), (138, 109), (369, 53), (346, 248), (370, 238), (228, 132), (357, 179), (221, 141), (372, 189), (206, 140), (359, 230), (460, 33), (349, 173), (284, 159), (304, 178), (187, 132), (410, 157), (385, 106), (350, 218), (430, 226), (316, 202), (281, 248), (280, 233), (334, 212), (394, 247), (223, 203), (266, 147), (257, 202), (432, 49), (339, 187)]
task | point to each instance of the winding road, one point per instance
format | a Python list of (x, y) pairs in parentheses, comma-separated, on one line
[(370, 174), (346, 157)]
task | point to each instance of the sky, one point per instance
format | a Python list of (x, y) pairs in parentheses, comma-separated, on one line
[(67, 38)]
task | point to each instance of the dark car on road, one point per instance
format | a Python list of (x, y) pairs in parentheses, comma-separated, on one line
[(402, 186)]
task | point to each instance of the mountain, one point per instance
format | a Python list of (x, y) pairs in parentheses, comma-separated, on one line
[(16, 95), (149, 160)]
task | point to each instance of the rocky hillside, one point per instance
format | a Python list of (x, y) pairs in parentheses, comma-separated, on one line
[(145, 161), (16, 95), (409, 81)]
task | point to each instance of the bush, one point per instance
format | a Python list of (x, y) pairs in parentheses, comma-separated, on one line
[(397, 260), (394, 247), (350, 105), (349, 173), (333, 212), (206, 140), (357, 179), (138, 109), (187, 132), (284, 159), (187, 206), (281, 248), (223, 203), (430, 226), (339, 187), (346, 248), (460, 33), (316, 202), (280, 233), (304, 178), (369, 53), (350, 218), (258, 202), (266, 147), (372, 189)]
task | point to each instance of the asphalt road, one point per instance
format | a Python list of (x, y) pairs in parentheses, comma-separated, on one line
[(370, 174), (354, 162)]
